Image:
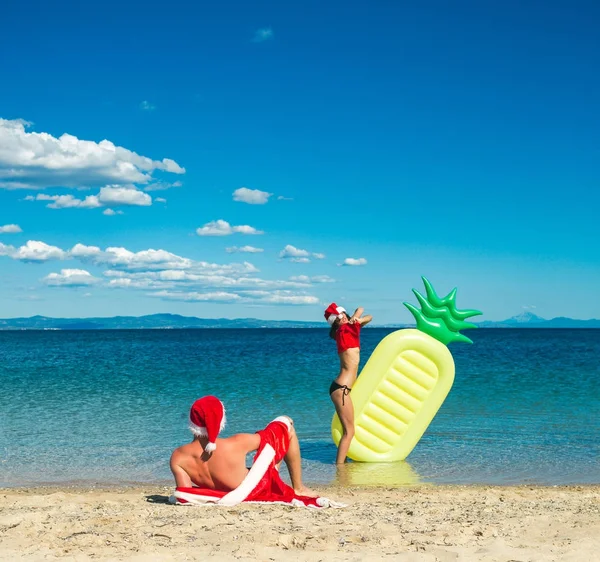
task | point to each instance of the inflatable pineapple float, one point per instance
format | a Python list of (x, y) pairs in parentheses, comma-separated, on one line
[(406, 380)]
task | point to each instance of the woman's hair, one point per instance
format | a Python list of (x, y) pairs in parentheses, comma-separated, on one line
[(336, 324)]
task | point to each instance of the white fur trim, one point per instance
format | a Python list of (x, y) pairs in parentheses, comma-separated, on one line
[(210, 447), (197, 430), (224, 420), (285, 420), (254, 476)]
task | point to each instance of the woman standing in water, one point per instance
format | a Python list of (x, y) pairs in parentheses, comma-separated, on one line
[(345, 330)]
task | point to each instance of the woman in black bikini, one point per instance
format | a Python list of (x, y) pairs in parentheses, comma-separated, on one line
[(345, 330)]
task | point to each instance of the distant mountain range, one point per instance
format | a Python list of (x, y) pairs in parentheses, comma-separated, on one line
[(530, 320), (175, 321), (150, 322)]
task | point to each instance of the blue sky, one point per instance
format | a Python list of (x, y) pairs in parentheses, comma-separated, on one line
[(359, 145)]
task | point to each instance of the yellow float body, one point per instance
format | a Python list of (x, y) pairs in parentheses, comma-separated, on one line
[(398, 393)]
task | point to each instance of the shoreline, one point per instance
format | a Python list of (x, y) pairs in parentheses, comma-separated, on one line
[(337, 487), (342, 484), (416, 522), (83, 487)]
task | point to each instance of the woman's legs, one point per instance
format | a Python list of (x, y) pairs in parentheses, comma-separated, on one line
[(345, 411)]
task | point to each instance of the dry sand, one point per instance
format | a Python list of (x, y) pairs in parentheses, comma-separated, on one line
[(423, 523)]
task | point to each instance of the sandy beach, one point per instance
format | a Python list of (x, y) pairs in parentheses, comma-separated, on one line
[(425, 523)]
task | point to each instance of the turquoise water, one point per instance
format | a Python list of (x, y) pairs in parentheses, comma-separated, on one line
[(109, 407)]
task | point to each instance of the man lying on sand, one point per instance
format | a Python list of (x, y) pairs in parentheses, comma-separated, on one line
[(220, 464)]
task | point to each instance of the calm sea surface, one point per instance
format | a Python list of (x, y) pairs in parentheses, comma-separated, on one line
[(109, 406)]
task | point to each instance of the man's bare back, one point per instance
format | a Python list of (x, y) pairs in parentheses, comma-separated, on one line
[(225, 469)]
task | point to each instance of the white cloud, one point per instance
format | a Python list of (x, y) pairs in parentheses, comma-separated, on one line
[(251, 196), (123, 258), (162, 186), (298, 255), (85, 252), (314, 279), (231, 276), (128, 283), (245, 229), (66, 201), (33, 251), (173, 277), (354, 261), (111, 212), (10, 229), (262, 34), (159, 262), (71, 278), (243, 249), (196, 297), (160, 200), (290, 299), (111, 195), (40, 160), (282, 198), (223, 228), (108, 195), (147, 106), (292, 252), (198, 272), (6, 250), (279, 297), (251, 297), (322, 279)]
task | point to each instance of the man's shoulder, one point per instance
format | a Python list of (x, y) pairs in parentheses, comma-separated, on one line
[(184, 450), (247, 441), (234, 439)]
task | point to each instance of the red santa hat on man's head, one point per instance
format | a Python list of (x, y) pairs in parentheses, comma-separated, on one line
[(207, 419), (332, 312)]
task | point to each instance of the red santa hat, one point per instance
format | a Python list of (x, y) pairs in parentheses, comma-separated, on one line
[(332, 312), (207, 419)]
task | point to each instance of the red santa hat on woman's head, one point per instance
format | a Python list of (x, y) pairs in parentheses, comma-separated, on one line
[(207, 419), (332, 312)]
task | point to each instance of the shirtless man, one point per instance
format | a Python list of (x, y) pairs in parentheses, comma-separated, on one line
[(345, 330), (220, 464)]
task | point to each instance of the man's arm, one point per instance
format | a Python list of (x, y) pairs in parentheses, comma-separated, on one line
[(182, 479), (247, 441)]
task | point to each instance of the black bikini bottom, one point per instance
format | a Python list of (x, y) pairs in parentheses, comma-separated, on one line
[(335, 386)]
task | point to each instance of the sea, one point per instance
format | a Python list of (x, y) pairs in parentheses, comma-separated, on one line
[(103, 408)]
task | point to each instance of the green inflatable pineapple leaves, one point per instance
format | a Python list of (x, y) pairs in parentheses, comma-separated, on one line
[(439, 317)]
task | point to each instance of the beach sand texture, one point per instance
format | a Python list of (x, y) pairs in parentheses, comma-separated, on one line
[(425, 523)]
